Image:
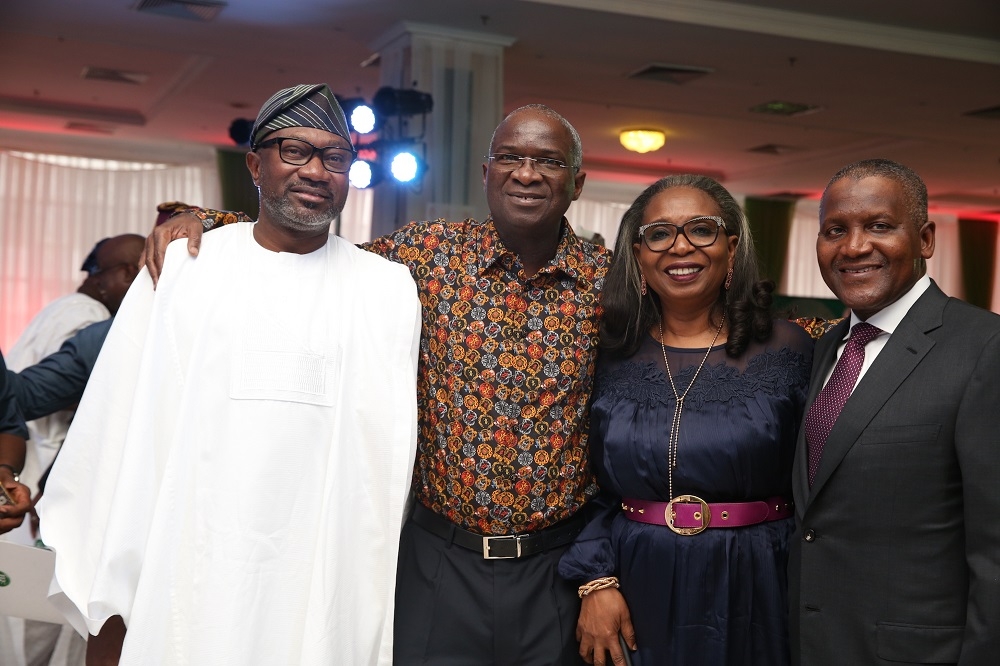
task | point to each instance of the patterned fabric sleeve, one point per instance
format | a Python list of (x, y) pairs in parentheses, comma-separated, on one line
[(815, 326), (213, 219)]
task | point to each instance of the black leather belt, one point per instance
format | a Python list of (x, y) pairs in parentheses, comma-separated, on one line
[(499, 547)]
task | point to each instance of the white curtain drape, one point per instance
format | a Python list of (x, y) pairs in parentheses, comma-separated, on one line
[(601, 207), (53, 208), (588, 217), (802, 277), (356, 218)]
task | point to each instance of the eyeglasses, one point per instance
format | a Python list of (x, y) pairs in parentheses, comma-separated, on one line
[(699, 232), (510, 162), (299, 152)]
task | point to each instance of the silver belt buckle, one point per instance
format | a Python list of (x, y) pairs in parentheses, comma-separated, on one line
[(486, 548)]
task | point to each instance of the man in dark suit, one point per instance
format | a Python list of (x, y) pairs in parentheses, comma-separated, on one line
[(896, 480)]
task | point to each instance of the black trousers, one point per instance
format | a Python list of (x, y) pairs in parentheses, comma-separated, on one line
[(454, 608)]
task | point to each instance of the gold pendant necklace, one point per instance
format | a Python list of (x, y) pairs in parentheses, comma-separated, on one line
[(675, 425)]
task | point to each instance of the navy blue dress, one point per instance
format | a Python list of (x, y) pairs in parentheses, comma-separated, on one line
[(718, 597)]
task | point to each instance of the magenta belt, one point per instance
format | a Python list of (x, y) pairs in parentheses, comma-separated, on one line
[(687, 514)]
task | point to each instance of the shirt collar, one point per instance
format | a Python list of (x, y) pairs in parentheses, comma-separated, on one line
[(490, 247), (888, 318)]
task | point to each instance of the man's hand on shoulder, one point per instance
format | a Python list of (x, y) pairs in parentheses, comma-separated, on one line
[(182, 225)]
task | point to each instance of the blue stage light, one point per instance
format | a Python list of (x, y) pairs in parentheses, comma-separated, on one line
[(362, 174), (363, 119), (405, 166)]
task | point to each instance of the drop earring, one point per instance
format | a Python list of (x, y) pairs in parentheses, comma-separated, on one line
[(729, 278), (642, 285)]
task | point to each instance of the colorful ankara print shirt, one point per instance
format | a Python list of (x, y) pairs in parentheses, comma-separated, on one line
[(506, 371)]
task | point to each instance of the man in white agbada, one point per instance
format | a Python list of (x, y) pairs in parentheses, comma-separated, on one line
[(233, 486)]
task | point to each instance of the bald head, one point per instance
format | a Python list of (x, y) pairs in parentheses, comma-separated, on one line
[(117, 266)]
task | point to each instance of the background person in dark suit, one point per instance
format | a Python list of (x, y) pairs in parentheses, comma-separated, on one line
[(897, 554)]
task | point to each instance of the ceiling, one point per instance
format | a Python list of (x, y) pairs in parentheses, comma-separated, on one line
[(893, 78)]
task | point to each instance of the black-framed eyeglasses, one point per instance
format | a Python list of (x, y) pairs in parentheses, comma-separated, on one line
[(298, 153), (699, 231), (543, 165)]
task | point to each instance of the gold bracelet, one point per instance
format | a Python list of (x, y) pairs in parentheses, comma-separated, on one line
[(597, 584)]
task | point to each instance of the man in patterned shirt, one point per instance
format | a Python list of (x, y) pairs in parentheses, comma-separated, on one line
[(510, 330)]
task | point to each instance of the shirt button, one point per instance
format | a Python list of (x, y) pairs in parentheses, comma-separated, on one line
[(809, 536)]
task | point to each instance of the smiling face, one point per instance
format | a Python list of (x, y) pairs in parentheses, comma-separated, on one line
[(299, 198), (686, 278), (870, 251), (524, 202)]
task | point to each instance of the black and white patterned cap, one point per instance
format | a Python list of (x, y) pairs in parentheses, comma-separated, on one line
[(305, 105)]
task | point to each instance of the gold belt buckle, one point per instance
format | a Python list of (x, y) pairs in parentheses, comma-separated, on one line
[(704, 513)]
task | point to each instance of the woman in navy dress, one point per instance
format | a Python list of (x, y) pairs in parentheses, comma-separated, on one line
[(698, 398)]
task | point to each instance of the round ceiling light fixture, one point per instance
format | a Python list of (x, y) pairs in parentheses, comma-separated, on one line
[(642, 140)]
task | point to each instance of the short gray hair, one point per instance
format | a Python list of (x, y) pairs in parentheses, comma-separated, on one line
[(576, 150)]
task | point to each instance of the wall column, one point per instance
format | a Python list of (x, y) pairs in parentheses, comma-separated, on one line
[(463, 72)]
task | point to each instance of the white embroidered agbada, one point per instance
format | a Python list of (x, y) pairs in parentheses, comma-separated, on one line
[(234, 483)]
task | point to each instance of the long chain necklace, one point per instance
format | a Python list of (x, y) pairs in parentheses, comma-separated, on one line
[(675, 425)]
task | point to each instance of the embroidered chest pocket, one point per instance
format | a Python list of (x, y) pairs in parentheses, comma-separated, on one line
[(303, 377)]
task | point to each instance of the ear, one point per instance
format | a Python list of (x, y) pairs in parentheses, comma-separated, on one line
[(927, 239), (485, 167), (734, 241), (578, 184), (253, 164)]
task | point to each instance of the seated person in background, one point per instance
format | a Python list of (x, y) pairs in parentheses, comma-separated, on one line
[(111, 267), (696, 406), (232, 487)]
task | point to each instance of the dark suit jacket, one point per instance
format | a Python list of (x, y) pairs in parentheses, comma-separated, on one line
[(896, 557)]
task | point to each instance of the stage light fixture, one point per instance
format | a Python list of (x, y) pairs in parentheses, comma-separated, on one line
[(406, 166), (398, 102), (364, 174), (359, 114), (362, 119)]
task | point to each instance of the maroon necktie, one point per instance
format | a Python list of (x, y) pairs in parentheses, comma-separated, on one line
[(830, 401)]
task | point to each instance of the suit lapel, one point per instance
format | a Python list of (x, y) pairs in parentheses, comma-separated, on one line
[(906, 348), (823, 359)]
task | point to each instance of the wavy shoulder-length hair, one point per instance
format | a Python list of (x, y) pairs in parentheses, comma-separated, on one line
[(628, 315)]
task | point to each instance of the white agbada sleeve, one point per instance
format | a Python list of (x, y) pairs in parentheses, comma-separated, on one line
[(87, 469)]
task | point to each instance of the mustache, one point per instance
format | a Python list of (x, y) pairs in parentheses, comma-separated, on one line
[(310, 188)]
